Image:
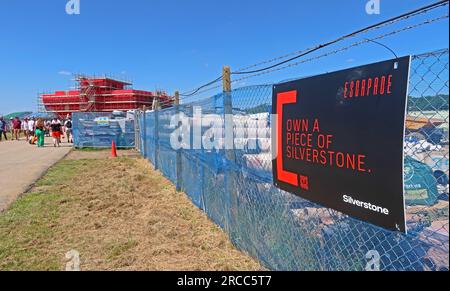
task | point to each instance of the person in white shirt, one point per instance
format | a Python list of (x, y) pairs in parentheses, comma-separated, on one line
[(31, 128), (25, 130)]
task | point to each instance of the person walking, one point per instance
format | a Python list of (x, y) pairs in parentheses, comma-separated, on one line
[(16, 125), (40, 132), (68, 129), (11, 128), (2, 129), (56, 132), (31, 128), (47, 128), (25, 130)]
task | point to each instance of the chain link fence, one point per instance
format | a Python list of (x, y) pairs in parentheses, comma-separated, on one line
[(286, 232), (100, 129)]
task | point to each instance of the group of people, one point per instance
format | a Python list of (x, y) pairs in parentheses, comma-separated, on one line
[(35, 130)]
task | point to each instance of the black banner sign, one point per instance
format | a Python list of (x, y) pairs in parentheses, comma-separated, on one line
[(339, 140)]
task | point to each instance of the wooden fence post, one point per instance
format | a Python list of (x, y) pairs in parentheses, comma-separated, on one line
[(230, 155)]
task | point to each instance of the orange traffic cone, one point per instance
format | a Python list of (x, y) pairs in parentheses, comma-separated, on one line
[(113, 150)]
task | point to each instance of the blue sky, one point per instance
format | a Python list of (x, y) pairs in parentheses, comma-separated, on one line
[(180, 44)]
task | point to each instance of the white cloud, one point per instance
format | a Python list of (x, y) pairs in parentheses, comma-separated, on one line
[(64, 73)]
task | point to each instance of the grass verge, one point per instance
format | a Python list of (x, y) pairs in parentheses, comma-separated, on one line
[(119, 215)]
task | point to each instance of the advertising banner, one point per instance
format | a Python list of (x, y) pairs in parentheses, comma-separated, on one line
[(339, 140)]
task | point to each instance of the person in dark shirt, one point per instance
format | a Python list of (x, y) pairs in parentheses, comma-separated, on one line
[(17, 126), (2, 128), (68, 129), (56, 132)]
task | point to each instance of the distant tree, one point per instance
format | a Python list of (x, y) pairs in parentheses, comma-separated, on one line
[(262, 108), (428, 103)]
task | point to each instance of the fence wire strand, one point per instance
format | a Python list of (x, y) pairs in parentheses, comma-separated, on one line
[(342, 49), (375, 27)]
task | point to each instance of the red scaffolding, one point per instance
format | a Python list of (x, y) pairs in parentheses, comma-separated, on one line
[(101, 95)]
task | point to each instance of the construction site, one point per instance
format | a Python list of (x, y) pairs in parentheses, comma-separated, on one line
[(100, 94), (255, 136)]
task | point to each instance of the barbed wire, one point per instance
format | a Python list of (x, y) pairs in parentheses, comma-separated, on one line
[(353, 34), (201, 92), (304, 52), (388, 22), (195, 91), (358, 43)]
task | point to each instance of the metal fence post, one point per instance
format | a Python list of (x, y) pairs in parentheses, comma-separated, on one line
[(136, 130), (144, 133), (179, 165), (156, 112)]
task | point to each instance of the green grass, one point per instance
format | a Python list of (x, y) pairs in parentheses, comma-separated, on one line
[(31, 216), (63, 171), (118, 249), (8, 135), (100, 149), (92, 149), (26, 229)]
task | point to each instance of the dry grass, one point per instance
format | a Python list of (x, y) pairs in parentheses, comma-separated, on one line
[(89, 153), (119, 215)]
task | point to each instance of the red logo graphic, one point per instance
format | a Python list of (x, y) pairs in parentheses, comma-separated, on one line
[(283, 175), (304, 183)]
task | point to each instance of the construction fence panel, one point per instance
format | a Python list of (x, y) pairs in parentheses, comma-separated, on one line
[(286, 232), (99, 129)]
